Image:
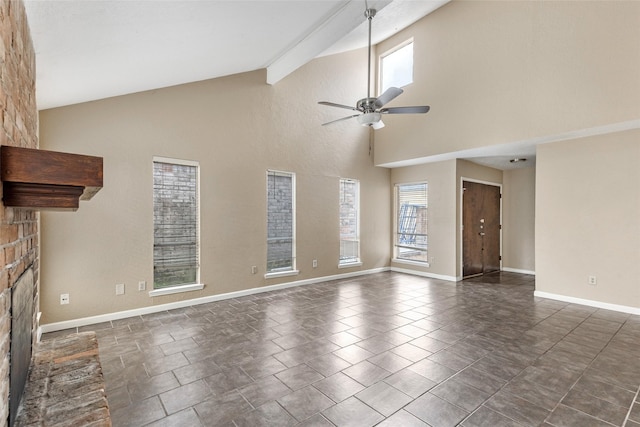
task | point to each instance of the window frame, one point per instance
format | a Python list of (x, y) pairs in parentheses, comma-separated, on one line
[(182, 287), (388, 53), (352, 261), (396, 232), (288, 271)]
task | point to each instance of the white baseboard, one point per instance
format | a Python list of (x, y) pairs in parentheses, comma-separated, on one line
[(425, 274), (38, 327), (590, 303), (74, 323), (453, 278), (84, 321), (518, 270)]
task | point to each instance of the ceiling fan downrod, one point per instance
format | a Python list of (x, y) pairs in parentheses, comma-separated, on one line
[(369, 14)]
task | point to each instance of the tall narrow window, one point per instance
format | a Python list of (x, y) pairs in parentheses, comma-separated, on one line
[(349, 221), (396, 66), (175, 223), (411, 222), (281, 224)]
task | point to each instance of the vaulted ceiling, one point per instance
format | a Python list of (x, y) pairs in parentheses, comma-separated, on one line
[(93, 49)]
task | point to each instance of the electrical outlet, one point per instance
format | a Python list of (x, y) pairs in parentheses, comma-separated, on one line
[(142, 285), (315, 263), (120, 289), (64, 299), (593, 280), (254, 269)]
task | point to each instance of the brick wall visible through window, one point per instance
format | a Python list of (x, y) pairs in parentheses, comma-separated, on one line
[(175, 224), (280, 221), (349, 221)]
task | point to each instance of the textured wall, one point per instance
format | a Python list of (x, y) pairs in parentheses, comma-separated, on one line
[(518, 219), (19, 117), (498, 72), (441, 218), (237, 128), (589, 227)]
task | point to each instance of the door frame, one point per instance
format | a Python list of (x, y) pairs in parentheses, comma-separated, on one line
[(460, 223)]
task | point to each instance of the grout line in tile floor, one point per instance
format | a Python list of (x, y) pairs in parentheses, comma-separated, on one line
[(636, 399), (577, 380), (386, 349)]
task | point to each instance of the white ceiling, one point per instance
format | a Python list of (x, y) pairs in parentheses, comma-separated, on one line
[(94, 49)]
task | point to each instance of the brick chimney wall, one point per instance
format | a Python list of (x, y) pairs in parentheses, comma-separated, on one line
[(18, 127)]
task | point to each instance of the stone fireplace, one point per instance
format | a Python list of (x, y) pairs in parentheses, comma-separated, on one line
[(19, 264), (18, 304), (21, 339)]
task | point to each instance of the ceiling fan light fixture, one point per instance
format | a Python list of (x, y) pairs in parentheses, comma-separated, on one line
[(377, 125), (370, 119)]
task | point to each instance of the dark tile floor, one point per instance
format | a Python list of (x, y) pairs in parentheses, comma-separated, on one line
[(387, 349)]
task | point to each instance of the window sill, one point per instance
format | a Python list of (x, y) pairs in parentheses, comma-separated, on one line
[(350, 264), (408, 262), (276, 274), (176, 289)]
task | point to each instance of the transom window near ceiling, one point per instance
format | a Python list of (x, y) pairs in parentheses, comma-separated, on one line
[(396, 66)]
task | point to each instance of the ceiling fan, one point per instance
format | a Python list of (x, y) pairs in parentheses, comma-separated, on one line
[(370, 110)]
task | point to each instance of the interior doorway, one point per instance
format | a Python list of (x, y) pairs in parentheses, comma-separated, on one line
[(480, 228)]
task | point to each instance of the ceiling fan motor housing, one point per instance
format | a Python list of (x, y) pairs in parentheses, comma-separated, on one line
[(367, 105)]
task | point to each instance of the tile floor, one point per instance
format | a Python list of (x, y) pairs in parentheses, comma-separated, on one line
[(386, 349)]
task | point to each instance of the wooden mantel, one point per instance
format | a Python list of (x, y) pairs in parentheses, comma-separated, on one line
[(40, 179)]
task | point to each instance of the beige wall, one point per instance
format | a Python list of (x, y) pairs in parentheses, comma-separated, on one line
[(587, 218), (236, 127), (518, 219), (441, 221), (506, 72), (471, 170), (493, 72), (444, 216), (500, 72)]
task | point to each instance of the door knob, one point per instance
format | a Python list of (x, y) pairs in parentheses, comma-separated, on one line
[(481, 234)]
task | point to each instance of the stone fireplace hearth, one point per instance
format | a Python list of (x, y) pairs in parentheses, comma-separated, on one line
[(66, 386)]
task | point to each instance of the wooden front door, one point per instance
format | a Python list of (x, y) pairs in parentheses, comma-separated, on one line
[(480, 228)]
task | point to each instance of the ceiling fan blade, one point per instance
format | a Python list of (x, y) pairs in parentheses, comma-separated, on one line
[(333, 104), (405, 110), (387, 96), (339, 120)]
